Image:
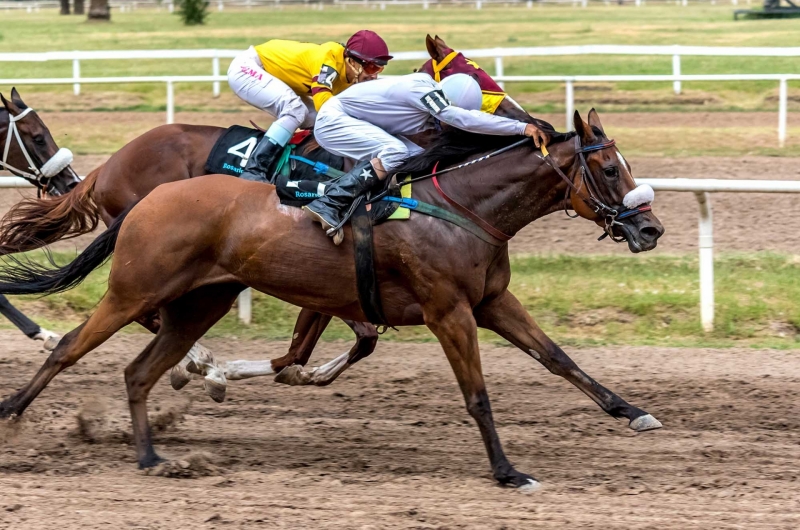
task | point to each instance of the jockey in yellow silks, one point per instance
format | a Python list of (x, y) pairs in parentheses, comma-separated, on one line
[(292, 80)]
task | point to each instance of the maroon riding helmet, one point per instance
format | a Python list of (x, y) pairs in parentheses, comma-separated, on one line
[(369, 50)]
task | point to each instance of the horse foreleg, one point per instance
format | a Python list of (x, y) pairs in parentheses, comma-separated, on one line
[(366, 339), (505, 316), (458, 335), (28, 326)]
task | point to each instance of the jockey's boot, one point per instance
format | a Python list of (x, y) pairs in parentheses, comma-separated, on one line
[(260, 164), (330, 209)]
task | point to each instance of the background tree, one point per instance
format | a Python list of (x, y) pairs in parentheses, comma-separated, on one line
[(65, 7), (99, 10), (193, 12), (79, 7)]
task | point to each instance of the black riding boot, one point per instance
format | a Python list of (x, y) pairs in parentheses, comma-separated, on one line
[(329, 209), (260, 164)]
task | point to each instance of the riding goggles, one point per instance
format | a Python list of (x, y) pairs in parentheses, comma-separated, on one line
[(371, 67)]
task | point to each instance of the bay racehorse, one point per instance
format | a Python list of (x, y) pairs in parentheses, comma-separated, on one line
[(29, 151), (226, 234), (177, 152)]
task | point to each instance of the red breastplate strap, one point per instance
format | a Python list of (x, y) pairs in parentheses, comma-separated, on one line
[(469, 214)]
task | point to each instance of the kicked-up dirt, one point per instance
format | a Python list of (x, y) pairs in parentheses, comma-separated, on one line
[(390, 445)]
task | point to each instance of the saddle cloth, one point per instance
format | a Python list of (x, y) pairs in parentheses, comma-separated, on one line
[(300, 175)]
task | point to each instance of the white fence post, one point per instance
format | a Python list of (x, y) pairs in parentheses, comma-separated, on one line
[(570, 104), (706, 242), (246, 306), (215, 72), (498, 70), (76, 74), (783, 97), (676, 70), (170, 102)]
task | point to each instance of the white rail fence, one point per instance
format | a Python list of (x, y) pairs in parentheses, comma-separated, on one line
[(701, 188), (569, 83), (133, 5), (498, 54), (676, 52)]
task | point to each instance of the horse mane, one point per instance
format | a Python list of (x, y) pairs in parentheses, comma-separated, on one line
[(455, 145)]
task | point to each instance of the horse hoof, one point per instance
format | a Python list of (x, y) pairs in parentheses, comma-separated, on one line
[(645, 423), (215, 386), (292, 375), (49, 338), (530, 486), (524, 483), (179, 376)]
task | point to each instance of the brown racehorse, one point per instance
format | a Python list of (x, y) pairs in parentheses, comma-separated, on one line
[(225, 234), (26, 147), (177, 152)]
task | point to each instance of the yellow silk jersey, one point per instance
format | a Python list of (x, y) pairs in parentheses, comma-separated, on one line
[(311, 69)]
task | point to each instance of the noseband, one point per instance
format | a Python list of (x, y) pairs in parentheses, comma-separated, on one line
[(590, 197), (39, 176)]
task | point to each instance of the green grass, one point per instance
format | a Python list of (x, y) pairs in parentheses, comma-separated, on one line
[(404, 29), (638, 300)]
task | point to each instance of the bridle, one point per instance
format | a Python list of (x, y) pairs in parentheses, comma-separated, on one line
[(40, 177), (611, 216)]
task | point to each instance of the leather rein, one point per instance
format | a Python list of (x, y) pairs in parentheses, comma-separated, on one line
[(589, 196)]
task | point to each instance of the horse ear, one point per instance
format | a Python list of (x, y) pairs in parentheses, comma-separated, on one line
[(15, 97), (582, 128), (431, 45), (9, 105), (594, 120)]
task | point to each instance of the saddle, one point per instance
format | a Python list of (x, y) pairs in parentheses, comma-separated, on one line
[(301, 174)]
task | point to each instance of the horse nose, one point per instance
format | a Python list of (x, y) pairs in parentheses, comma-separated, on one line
[(650, 231)]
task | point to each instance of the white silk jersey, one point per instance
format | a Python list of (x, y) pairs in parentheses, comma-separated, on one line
[(409, 104)]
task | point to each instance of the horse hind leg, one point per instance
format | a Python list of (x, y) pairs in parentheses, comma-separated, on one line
[(111, 315), (366, 340), (199, 362), (183, 322)]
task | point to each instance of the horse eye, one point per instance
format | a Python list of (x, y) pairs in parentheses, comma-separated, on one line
[(611, 172), (39, 139)]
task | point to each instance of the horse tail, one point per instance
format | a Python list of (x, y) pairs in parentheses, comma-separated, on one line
[(24, 276), (33, 223)]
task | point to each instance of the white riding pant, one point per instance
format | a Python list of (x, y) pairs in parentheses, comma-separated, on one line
[(343, 135), (248, 80)]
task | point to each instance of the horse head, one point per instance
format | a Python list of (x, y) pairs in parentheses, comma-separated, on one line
[(445, 62), (602, 175), (29, 150)]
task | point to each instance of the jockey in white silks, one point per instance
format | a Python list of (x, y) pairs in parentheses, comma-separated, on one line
[(369, 123), (293, 80)]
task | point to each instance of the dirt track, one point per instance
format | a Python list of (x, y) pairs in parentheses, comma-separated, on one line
[(391, 446)]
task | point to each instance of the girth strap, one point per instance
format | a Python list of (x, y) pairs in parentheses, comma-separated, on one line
[(366, 280)]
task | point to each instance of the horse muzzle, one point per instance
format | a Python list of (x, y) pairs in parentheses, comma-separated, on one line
[(640, 232)]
